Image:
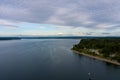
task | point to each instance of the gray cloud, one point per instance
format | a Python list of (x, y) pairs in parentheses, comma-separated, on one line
[(9, 25), (106, 33), (75, 13)]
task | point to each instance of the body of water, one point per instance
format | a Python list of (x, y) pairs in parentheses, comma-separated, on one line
[(50, 59)]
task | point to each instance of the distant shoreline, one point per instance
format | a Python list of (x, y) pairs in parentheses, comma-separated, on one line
[(59, 37), (98, 58)]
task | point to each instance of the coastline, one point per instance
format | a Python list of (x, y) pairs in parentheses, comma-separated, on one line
[(98, 58)]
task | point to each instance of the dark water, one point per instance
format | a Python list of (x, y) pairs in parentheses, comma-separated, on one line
[(50, 60)]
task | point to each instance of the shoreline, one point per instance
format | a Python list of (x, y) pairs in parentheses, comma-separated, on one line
[(98, 58)]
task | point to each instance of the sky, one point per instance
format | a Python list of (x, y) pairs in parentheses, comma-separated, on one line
[(59, 17)]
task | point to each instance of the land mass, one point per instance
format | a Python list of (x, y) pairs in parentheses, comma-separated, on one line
[(9, 38), (55, 37), (105, 49)]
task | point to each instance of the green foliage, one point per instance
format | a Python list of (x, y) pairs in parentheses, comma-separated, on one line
[(106, 46), (117, 58)]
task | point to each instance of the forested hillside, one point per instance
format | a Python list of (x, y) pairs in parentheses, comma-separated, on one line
[(103, 47)]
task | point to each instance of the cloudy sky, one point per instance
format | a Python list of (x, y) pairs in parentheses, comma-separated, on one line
[(60, 17)]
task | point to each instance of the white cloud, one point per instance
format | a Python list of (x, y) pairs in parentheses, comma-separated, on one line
[(8, 23)]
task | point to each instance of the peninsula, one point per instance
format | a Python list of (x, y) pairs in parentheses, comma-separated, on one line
[(105, 49)]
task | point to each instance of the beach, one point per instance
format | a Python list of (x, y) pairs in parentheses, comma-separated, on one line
[(98, 58)]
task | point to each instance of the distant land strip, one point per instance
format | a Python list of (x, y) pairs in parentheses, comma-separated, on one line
[(56, 37)]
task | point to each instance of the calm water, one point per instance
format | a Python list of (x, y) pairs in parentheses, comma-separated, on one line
[(50, 60)]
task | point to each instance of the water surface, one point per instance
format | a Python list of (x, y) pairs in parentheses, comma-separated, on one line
[(50, 59)]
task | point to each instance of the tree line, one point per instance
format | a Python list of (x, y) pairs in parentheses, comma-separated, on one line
[(107, 47)]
